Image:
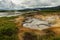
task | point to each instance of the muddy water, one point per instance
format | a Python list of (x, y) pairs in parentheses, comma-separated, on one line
[(40, 24), (9, 14)]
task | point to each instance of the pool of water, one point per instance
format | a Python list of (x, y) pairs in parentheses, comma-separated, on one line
[(9, 14)]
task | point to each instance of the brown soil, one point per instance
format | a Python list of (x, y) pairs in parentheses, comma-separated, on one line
[(22, 30)]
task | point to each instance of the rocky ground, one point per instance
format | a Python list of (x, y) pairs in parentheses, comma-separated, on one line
[(38, 24)]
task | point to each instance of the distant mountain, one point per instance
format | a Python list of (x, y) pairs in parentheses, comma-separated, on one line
[(39, 9), (51, 8)]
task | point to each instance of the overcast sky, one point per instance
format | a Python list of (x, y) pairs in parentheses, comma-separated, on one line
[(22, 4)]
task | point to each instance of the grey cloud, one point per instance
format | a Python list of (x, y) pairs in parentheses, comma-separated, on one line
[(11, 4)]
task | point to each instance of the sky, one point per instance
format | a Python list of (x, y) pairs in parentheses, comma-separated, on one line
[(22, 4)]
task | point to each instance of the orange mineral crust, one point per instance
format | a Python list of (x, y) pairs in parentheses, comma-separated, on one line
[(38, 24)]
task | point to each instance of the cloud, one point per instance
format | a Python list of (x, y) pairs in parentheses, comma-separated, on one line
[(21, 4)]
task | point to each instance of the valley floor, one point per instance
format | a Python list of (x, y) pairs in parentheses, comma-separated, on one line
[(31, 26)]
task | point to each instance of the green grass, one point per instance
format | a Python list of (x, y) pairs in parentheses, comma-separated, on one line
[(8, 29)]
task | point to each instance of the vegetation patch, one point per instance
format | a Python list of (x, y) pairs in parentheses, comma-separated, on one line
[(8, 29)]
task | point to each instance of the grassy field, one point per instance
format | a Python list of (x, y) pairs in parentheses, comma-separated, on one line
[(8, 29)]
